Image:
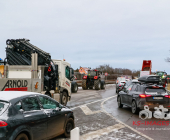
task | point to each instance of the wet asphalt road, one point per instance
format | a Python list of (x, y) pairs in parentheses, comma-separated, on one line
[(99, 118)]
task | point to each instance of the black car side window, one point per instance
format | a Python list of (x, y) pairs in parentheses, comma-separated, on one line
[(138, 89), (30, 104), (129, 88), (134, 87), (47, 103)]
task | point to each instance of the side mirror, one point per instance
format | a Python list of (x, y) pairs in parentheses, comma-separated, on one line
[(21, 110)]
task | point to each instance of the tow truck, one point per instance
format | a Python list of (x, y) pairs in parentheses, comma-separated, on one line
[(28, 68)]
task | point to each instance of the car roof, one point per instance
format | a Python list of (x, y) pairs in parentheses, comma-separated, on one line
[(10, 95), (123, 81), (134, 80)]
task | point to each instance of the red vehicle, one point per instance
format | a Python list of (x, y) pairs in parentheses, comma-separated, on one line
[(146, 68)]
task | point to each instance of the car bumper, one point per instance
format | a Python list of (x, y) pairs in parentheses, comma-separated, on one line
[(3, 134), (152, 105)]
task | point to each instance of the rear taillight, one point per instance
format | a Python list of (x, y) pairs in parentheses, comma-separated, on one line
[(144, 95), (84, 77), (167, 96), (2, 124), (95, 77), (155, 87)]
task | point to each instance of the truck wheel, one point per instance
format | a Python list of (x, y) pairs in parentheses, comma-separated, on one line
[(22, 136), (74, 88), (103, 85), (97, 84), (64, 98), (84, 85)]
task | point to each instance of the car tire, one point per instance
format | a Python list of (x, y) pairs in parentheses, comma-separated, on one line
[(103, 85), (64, 98), (84, 85), (97, 84), (119, 102), (22, 136), (116, 91), (68, 127), (134, 107)]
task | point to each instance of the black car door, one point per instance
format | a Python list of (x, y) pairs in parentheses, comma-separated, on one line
[(124, 94), (34, 117), (56, 116), (130, 94)]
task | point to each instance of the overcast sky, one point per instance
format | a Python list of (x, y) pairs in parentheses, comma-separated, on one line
[(90, 33)]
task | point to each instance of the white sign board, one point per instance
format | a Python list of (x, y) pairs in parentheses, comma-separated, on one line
[(143, 73)]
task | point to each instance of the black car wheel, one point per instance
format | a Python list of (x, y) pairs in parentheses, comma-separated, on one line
[(116, 91), (64, 98), (69, 126), (120, 105), (134, 108), (22, 136)]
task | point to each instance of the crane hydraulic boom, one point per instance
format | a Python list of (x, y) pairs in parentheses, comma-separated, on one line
[(19, 52)]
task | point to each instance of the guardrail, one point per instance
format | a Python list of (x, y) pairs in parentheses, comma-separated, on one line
[(79, 82)]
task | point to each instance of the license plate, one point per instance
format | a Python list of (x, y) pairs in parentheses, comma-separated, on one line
[(157, 97)]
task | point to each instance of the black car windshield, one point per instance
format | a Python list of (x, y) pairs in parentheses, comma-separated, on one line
[(161, 90), (3, 107)]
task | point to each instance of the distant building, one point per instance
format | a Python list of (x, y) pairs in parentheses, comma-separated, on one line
[(83, 70)]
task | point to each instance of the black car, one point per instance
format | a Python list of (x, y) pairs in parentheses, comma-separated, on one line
[(120, 86), (147, 92), (32, 116)]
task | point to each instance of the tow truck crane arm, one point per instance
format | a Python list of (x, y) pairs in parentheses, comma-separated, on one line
[(19, 52)]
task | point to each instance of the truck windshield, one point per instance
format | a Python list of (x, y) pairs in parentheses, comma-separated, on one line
[(3, 106), (91, 73)]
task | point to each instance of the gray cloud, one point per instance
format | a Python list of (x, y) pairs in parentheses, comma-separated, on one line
[(89, 33)]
